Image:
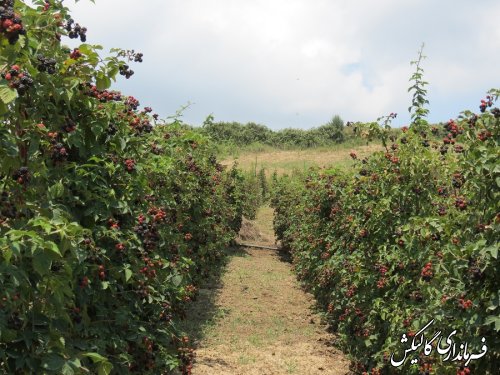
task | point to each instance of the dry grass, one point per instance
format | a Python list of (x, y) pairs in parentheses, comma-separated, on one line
[(285, 161), (257, 320)]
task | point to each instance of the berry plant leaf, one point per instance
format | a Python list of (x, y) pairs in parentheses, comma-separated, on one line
[(7, 94)]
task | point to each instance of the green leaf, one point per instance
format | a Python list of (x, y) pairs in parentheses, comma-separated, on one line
[(56, 190), (104, 368), (95, 357), (177, 280), (493, 320), (7, 94), (51, 246), (67, 370), (103, 82), (53, 362), (128, 274), (43, 223), (42, 263)]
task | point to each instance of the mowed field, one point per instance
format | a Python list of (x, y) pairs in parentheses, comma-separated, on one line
[(286, 161)]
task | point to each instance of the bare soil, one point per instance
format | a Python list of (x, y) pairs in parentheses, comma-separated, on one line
[(256, 320)]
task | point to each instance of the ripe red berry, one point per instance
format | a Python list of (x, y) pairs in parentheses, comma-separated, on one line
[(85, 282), (7, 23)]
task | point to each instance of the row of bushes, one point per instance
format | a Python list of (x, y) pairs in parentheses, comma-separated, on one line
[(246, 134), (409, 235), (108, 217)]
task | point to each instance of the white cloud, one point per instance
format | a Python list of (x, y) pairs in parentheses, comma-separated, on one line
[(298, 62)]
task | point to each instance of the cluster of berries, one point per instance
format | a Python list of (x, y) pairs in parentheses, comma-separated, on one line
[(19, 80), (155, 149), (11, 24), (461, 203), (102, 273), (465, 304), (148, 232), (426, 369), (463, 371), (427, 272), (69, 126), (113, 224), (76, 54), (485, 103), (59, 153), (381, 283), (132, 103), (158, 214), (186, 356), (102, 95), (126, 71), (149, 268), (22, 176), (191, 165), (484, 135), (453, 131), (46, 64), (165, 315), (130, 165), (76, 31), (141, 125)]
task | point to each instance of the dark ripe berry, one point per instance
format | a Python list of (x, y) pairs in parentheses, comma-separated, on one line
[(22, 175), (461, 203), (138, 57), (425, 143), (59, 153), (76, 31), (46, 64)]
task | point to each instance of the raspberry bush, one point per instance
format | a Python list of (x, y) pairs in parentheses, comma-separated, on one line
[(408, 235), (109, 217)]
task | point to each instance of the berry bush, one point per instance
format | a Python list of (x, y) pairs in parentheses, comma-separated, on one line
[(408, 235), (109, 218)]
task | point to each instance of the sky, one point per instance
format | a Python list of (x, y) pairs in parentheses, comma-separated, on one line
[(297, 63)]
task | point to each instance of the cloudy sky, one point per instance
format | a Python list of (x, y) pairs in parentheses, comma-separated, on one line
[(296, 63)]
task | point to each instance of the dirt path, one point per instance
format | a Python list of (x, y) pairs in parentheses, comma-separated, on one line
[(260, 321)]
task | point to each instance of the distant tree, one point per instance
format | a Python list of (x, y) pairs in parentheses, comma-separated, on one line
[(333, 130)]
